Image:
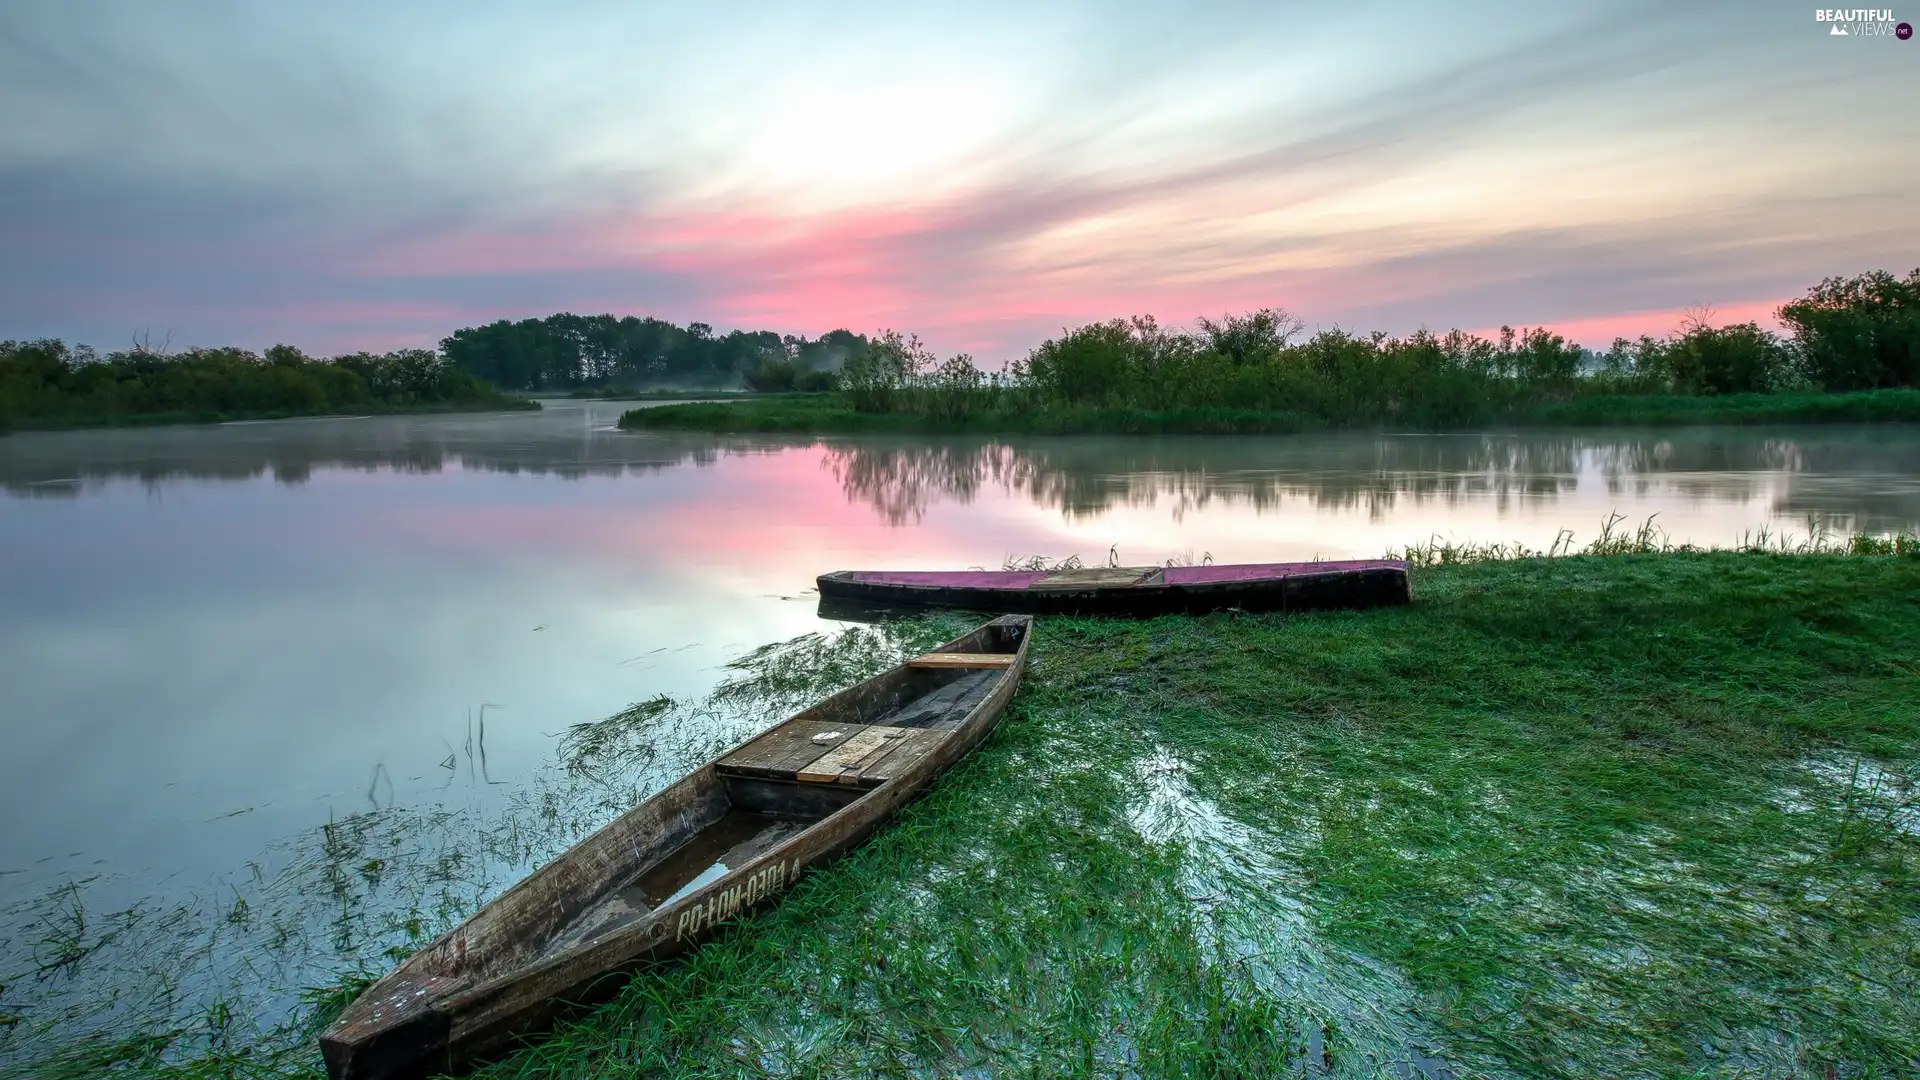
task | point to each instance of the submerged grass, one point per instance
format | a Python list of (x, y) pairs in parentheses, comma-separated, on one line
[(1630, 814)]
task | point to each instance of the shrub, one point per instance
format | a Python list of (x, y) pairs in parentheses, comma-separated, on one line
[(1736, 359), (874, 380), (950, 390), (1858, 333)]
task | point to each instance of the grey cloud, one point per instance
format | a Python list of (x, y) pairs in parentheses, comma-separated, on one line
[(230, 179)]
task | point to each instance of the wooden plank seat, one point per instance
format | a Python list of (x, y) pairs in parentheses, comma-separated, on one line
[(863, 755)]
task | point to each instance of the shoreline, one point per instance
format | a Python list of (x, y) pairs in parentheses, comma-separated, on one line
[(1557, 808), (252, 416), (826, 414)]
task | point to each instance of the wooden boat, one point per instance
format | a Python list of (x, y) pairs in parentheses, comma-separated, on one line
[(725, 840), (1124, 590)]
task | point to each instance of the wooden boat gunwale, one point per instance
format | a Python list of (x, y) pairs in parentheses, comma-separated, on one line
[(451, 1026), (1150, 591)]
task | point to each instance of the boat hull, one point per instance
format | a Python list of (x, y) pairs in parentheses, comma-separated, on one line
[(443, 1010), (1153, 591)]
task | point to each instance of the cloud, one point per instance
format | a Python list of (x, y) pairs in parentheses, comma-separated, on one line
[(256, 174)]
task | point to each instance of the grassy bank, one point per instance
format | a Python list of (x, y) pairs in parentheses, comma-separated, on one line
[(1640, 815), (1870, 406), (822, 414), (786, 398), (685, 394)]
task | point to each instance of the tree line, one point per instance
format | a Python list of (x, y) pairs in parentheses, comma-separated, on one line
[(1857, 333), (567, 352), (1847, 333), (49, 383)]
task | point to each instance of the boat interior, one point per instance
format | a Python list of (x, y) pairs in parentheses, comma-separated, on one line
[(776, 786)]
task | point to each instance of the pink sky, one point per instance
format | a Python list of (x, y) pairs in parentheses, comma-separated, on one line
[(981, 176)]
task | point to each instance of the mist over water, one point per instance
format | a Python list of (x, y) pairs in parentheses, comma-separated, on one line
[(216, 641)]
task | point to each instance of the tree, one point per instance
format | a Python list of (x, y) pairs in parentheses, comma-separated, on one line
[(1858, 333)]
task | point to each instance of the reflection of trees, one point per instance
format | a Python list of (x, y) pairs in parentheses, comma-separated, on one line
[(1848, 478), (1851, 478), (558, 443)]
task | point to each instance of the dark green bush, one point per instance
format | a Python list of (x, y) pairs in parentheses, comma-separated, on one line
[(48, 382), (1858, 333), (1736, 359)]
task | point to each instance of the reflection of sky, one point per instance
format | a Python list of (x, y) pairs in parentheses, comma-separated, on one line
[(356, 174), (176, 647)]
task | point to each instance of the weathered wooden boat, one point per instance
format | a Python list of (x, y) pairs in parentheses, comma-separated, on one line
[(725, 840), (1124, 590)]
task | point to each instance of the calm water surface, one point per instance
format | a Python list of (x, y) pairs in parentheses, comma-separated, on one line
[(214, 639)]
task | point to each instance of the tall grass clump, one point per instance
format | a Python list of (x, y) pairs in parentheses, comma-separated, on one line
[(1648, 538)]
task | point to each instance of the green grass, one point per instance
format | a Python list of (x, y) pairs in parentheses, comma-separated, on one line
[(822, 414), (827, 414), (691, 393), (1867, 406), (1628, 815)]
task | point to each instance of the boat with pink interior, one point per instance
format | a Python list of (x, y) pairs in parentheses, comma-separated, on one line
[(1126, 590)]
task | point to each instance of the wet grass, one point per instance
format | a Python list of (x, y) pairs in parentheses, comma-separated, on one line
[(1630, 814), (829, 414), (1564, 817)]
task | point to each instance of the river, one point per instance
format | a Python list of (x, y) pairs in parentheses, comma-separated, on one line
[(216, 640)]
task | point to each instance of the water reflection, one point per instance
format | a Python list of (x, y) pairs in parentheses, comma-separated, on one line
[(246, 654), (1855, 478), (568, 440), (1846, 477)]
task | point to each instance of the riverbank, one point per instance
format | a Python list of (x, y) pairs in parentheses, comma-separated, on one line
[(1624, 815), (1556, 814), (824, 414), (214, 416), (674, 395)]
